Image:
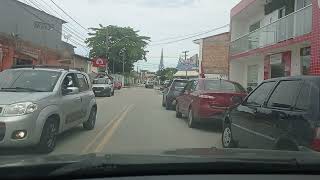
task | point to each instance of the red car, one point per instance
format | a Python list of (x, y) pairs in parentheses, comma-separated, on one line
[(117, 85), (207, 99)]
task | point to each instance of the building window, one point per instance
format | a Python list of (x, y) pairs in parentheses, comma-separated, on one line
[(305, 56), (252, 76), (277, 66), (23, 62)]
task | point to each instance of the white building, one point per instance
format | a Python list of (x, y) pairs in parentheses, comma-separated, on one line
[(273, 38)]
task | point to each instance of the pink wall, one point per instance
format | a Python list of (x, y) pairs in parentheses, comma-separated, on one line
[(315, 40)]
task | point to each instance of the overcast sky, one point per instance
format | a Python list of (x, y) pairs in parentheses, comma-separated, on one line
[(159, 19)]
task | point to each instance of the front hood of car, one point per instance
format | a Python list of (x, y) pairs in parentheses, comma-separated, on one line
[(101, 85), (15, 97), (171, 156)]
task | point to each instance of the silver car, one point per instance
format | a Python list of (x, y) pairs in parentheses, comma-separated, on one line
[(36, 104), (103, 87)]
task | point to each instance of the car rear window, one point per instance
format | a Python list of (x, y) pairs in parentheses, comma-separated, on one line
[(178, 85), (220, 85)]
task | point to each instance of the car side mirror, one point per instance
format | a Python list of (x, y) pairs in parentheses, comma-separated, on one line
[(70, 91), (236, 100)]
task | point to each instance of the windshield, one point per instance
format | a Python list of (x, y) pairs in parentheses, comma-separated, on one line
[(28, 80), (147, 77)]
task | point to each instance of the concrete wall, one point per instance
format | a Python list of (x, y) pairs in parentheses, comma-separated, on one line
[(16, 18), (241, 22), (239, 69)]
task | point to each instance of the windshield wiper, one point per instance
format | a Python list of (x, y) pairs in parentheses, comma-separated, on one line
[(21, 88)]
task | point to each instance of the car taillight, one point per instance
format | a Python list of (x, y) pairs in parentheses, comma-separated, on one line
[(316, 141), (207, 97)]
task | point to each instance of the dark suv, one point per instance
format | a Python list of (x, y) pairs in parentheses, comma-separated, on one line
[(280, 114), (172, 92)]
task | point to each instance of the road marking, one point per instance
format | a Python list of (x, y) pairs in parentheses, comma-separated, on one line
[(113, 128), (98, 135)]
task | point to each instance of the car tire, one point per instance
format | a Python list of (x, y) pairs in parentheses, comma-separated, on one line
[(226, 137), (109, 93), (191, 119), (90, 123), (178, 114), (48, 136)]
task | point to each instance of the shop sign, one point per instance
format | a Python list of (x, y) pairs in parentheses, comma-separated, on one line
[(99, 62), (276, 59)]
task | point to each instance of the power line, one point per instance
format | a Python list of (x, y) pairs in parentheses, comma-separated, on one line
[(181, 36), (69, 16), (36, 16), (33, 3), (70, 31), (190, 37), (79, 33)]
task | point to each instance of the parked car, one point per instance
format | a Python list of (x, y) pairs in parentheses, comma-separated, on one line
[(38, 103), (165, 85), (280, 114), (206, 100), (172, 92), (117, 85), (103, 87), (149, 84)]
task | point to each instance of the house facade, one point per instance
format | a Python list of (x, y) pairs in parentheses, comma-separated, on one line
[(213, 55), (274, 38), (29, 36)]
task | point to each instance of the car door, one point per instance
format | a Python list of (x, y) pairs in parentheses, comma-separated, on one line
[(86, 95), (182, 100), (71, 104), (272, 120), (242, 117), (193, 97)]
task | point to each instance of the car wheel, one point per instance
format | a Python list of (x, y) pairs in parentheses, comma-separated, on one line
[(49, 136), (90, 123), (109, 94), (227, 139), (191, 119), (178, 114)]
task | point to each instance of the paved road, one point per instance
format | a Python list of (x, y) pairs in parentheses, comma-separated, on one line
[(133, 121)]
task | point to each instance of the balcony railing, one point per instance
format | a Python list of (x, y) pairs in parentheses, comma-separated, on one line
[(293, 25)]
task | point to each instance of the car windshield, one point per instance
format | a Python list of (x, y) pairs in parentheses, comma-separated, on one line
[(28, 80), (100, 81), (81, 79)]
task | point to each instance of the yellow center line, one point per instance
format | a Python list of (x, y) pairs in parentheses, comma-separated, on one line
[(98, 135), (114, 127)]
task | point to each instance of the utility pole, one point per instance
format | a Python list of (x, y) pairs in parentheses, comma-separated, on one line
[(107, 47), (185, 61)]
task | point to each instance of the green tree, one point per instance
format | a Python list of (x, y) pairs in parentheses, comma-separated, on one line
[(118, 45), (167, 73)]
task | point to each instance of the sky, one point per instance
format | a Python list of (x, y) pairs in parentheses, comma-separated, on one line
[(162, 20)]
